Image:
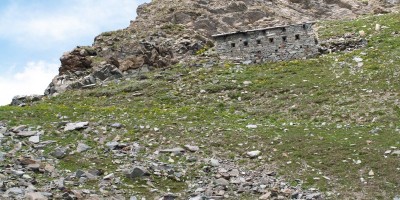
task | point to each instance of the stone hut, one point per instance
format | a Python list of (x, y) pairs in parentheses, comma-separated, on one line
[(269, 44)]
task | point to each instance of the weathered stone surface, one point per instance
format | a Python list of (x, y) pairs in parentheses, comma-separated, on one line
[(23, 100), (116, 125), (60, 152), (173, 150), (76, 126), (19, 128), (192, 148), (133, 198), (313, 196), (15, 191), (396, 152), (34, 139), (26, 133), (269, 44), (136, 172), (74, 61), (222, 182), (214, 162), (253, 154), (81, 147), (3, 130), (109, 176), (112, 145), (33, 167), (107, 72), (35, 196)]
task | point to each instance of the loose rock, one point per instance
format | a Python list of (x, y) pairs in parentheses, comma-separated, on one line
[(222, 182), (136, 172), (26, 133), (76, 126), (192, 148), (60, 152), (214, 162), (174, 150), (82, 147), (253, 154), (35, 196), (34, 139)]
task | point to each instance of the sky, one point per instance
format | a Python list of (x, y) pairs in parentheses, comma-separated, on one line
[(34, 35)]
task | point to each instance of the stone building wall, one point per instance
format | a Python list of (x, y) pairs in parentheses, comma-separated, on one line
[(269, 44)]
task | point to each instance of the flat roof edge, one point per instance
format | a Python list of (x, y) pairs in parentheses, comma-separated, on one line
[(260, 29)]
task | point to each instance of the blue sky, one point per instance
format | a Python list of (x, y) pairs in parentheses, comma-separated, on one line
[(34, 35)]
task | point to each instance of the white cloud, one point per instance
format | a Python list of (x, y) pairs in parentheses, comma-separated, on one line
[(44, 26), (33, 79), (29, 27)]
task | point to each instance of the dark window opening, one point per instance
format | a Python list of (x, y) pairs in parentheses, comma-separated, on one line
[(246, 43), (258, 41), (276, 50), (264, 32), (304, 27), (315, 40), (271, 40), (284, 29), (301, 47), (233, 44), (297, 36), (284, 38)]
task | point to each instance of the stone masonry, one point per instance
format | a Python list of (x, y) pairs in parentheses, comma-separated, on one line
[(269, 44)]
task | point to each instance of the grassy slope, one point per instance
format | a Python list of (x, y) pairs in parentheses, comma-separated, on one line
[(315, 117)]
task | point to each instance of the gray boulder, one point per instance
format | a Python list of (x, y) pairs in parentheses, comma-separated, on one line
[(60, 152), (136, 172), (23, 100), (76, 126)]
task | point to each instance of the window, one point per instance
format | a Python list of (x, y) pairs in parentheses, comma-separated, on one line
[(271, 40), (315, 40), (233, 45), (264, 32), (276, 50), (283, 29), (258, 41), (304, 27), (301, 46), (284, 38), (297, 37), (246, 43)]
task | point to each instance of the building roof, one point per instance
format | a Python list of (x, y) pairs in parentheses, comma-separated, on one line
[(260, 29)]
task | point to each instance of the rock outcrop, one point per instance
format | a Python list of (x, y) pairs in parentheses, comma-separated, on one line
[(175, 31)]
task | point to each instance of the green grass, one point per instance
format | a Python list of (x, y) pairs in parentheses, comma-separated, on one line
[(332, 105)]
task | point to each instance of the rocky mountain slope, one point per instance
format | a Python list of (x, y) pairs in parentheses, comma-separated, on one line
[(170, 32), (323, 128)]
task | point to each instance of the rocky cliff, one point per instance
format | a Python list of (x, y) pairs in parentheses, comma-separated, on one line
[(168, 32)]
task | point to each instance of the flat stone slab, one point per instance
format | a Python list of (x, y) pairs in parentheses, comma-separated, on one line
[(34, 139), (396, 152), (173, 150), (253, 154), (26, 133), (76, 126), (192, 148)]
